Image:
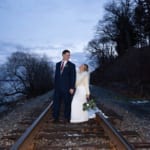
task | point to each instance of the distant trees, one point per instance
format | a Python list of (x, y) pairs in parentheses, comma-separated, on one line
[(30, 74), (101, 52), (3, 87), (1, 94), (126, 24), (142, 22), (121, 46), (117, 25)]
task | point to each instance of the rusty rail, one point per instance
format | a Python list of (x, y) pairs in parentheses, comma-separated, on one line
[(117, 139), (25, 141)]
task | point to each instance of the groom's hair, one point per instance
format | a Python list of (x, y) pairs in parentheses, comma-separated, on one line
[(65, 51)]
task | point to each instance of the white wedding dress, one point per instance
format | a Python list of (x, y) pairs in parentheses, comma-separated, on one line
[(79, 98)]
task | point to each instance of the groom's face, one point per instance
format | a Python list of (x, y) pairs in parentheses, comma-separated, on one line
[(66, 56)]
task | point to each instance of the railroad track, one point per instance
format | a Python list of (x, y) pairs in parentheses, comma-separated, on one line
[(95, 134), (98, 133)]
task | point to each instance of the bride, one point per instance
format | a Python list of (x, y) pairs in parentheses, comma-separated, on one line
[(80, 97)]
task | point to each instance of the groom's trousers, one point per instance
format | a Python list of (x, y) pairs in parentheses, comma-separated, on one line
[(60, 97)]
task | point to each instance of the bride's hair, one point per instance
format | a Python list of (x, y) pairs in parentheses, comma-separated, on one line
[(86, 67)]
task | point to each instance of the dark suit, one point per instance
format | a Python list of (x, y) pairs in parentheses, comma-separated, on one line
[(63, 83)]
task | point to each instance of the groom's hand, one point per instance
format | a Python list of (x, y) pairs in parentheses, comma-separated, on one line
[(71, 91)]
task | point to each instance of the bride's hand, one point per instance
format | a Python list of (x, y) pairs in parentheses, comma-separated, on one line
[(87, 96), (71, 91)]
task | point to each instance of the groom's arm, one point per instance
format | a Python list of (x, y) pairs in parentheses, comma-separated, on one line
[(56, 74), (72, 78)]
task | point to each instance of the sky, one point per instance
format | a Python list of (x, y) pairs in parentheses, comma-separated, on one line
[(48, 26)]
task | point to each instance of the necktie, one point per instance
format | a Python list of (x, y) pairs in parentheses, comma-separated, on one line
[(62, 66)]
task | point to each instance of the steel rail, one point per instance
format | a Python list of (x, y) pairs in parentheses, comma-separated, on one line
[(25, 141), (116, 138)]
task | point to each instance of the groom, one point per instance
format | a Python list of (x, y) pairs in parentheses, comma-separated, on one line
[(65, 77)]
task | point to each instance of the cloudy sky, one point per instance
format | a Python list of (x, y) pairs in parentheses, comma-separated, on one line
[(48, 26)]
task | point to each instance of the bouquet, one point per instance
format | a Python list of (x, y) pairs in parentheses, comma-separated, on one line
[(91, 104)]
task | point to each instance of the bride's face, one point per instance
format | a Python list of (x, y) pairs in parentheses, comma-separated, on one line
[(81, 68)]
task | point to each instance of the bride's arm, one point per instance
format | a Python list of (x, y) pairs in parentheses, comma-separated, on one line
[(86, 84)]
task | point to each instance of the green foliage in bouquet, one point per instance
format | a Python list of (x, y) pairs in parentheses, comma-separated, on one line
[(91, 104)]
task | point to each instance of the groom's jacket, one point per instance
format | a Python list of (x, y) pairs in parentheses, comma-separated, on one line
[(65, 80)]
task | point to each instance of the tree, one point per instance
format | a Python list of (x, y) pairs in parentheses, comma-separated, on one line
[(118, 25), (101, 51), (30, 74), (142, 22)]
